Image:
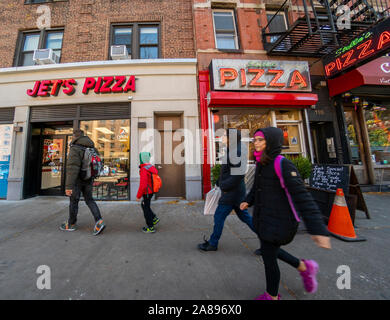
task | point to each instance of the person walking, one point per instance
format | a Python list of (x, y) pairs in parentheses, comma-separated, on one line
[(273, 217), (145, 190), (75, 185), (232, 184)]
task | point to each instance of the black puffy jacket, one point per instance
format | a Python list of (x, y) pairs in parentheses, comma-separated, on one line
[(75, 159), (273, 218), (232, 175)]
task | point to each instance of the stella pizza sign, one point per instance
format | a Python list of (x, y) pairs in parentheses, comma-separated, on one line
[(260, 75), (369, 45)]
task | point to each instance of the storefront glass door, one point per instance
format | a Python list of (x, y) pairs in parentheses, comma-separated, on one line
[(53, 164)]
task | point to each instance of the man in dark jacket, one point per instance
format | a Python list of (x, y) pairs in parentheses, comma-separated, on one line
[(74, 185), (232, 184)]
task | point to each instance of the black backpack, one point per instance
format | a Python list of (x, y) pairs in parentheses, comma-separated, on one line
[(91, 165)]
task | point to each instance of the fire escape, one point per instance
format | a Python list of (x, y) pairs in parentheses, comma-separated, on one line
[(316, 28)]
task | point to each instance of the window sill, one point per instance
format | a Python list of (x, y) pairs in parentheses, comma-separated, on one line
[(230, 50)]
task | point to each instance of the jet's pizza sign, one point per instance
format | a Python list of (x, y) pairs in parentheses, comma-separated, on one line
[(260, 75), (117, 84), (369, 45)]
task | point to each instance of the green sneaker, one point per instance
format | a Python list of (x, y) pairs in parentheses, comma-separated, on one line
[(148, 230), (155, 220), (67, 227), (99, 226)]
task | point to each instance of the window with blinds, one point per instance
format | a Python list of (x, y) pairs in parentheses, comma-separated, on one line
[(7, 115)]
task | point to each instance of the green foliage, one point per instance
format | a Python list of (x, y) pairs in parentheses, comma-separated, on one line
[(302, 164), (215, 171), (378, 137)]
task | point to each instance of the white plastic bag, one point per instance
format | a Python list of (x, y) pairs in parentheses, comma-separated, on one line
[(211, 203)]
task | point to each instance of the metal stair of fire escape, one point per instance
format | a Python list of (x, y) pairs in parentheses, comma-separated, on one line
[(361, 9), (321, 35), (316, 33), (363, 15)]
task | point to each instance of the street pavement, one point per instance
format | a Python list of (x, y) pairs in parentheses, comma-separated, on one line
[(124, 263)]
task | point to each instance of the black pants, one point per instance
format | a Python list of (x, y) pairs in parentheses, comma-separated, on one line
[(270, 253), (86, 188), (148, 213)]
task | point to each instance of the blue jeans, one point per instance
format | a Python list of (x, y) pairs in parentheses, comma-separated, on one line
[(220, 216)]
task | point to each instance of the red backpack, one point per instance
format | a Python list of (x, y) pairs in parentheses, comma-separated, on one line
[(91, 165), (156, 180)]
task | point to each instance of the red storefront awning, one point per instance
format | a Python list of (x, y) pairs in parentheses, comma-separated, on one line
[(374, 73), (265, 99)]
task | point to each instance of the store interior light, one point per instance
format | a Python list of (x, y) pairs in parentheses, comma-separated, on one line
[(104, 130)]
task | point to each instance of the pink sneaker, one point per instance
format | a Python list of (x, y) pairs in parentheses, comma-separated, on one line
[(309, 276), (266, 296)]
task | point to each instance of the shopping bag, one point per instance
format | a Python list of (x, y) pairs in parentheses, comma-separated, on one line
[(211, 203)]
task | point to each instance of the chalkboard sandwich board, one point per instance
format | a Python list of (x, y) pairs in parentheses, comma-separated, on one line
[(330, 177), (325, 179)]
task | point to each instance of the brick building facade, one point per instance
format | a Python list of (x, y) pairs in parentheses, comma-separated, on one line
[(86, 25), (158, 64), (250, 17), (237, 38)]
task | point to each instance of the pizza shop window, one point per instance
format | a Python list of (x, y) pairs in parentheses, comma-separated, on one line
[(247, 120), (251, 119), (291, 139), (377, 117), (290, 121), (112, 139)]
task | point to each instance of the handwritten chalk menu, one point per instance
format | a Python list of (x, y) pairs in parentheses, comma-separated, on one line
[(330, 177)]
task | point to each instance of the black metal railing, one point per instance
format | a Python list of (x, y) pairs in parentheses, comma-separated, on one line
[(312, 26)]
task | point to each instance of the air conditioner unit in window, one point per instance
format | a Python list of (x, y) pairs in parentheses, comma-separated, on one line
[(119, 52), (45, 56)]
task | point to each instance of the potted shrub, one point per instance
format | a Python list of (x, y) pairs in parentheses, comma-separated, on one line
[(215, 171), (302, 164)]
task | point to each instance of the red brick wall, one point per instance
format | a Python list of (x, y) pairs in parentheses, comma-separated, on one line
[(251, 18), (87, 24), (249, 24)]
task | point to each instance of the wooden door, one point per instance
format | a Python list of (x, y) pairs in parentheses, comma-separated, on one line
[(172, 173)]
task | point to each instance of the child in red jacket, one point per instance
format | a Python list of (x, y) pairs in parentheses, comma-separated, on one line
[(145, 190)]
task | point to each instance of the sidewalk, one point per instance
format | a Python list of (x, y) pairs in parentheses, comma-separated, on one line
[(124, 263)]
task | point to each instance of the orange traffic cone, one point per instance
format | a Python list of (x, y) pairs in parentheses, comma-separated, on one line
[(340, 223)]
